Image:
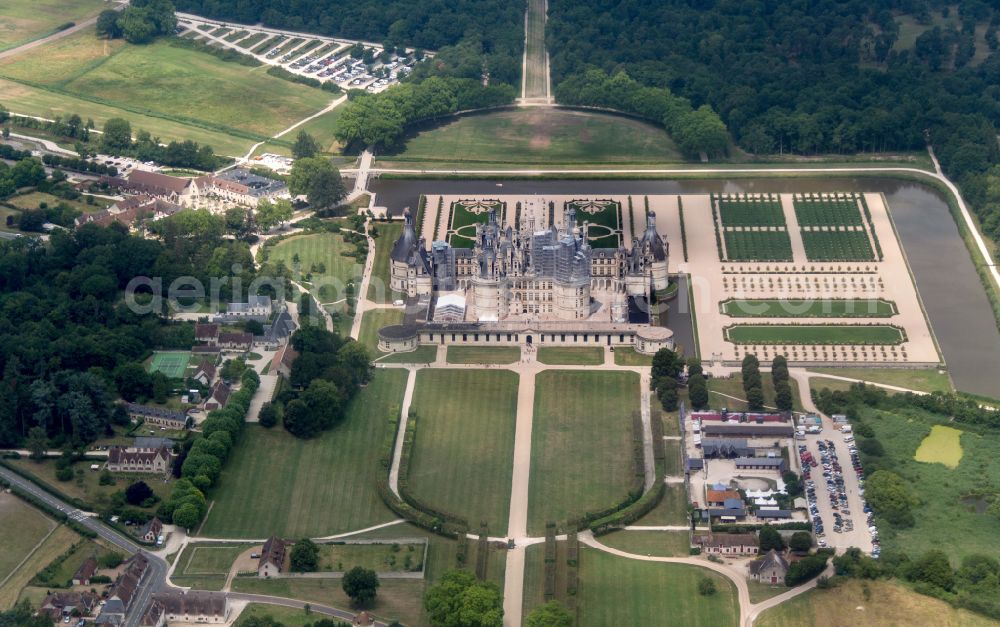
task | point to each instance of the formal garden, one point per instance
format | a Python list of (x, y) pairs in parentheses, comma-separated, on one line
[(837, 245), (808, 308), (463, 217), (749, 209), (815, 334), (758, 246), (827, 210), (604, 218)]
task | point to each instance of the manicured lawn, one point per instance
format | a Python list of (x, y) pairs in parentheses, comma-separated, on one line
[(630, 357), (543, 137), (21, 528), (314, 487), (941, 446), (22, 21), (378, 287), (658, 543), (205, 566), (378, 557), (396, 599), (316, 252), (949, 516), (287, 616), (927, 380), (581, 444), (672, 510), (809, 308), (554, 355), (423, 355), (887, 603), (85, 485), (673, 462), (483, 354), (536, 75), (882, 334), (723, 390), (464, 448), (372, 321), (619, 591)]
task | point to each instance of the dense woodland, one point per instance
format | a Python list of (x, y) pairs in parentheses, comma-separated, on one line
[(473, 38), (807, 77)]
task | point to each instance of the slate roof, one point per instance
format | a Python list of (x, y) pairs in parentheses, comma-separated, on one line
[(771, 559)]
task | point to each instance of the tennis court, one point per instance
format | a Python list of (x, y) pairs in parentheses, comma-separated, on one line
[(171, 363)]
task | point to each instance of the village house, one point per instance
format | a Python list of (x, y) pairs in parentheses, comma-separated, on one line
[(129, 212), (85, 572), (730, 544), (771, 568), (151, 531), (256, 307), (218, 397), (205, 373), (121, 459), (206, 333), (283, 360), (193, 606), (60, 605), (157, 416), (122, 592), (241, 342), (272, 557), (158, 185)]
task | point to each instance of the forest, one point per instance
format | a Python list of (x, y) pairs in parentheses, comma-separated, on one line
[(472, 38), (818, 77)]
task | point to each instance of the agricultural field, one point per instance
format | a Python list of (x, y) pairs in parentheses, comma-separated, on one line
[(581, 443), (816, 210), (465, 215), (837, 245), (750, 210), (604, 218), (21, 528), (539, 136), (381, 267), (388, 557), (461, 462), (952, 514), (320, 259), (809, 308), (815, 334), (159, 81), (657, 543), (26, 20), (571, 356), (619, 591), (314, 488), (61, 540), (758, 246), (483, 354), (878, 603)]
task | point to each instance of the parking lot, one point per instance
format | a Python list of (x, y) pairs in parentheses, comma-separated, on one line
[(830, 474)]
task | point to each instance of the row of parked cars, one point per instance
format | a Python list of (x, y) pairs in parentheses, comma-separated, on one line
[(870, 516)]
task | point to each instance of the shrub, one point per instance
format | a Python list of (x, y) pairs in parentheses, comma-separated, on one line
[(706, 587)]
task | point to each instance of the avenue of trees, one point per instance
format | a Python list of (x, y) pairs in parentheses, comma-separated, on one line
[(822, 77), (473, 38), (667, 370), (382, 119)]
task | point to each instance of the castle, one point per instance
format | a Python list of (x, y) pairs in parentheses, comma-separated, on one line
[(548, 274)]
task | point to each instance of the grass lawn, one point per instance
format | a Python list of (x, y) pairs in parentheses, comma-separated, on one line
[(55, 545), (812, 334), (315, 487), (464, 448), (423, 355), (321, 128), (926, 380), (378, 287), (378, 557), (820, 308), (722, 392), (287, 616), (31, 200), (534, 576), (205, 566), (63, 573), (319, 250), (589, 356), (672, 510), (618, 591), (891, 603), (86, 484), (483, 354), (61, 61), (631, 357), (535, 68), (372, 321), (22, 21), (673, 460), (21, 528), (541, 136), (396, 598), (581, 443), (658, 543), (950, 515)]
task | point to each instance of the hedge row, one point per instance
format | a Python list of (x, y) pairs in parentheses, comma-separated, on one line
[(747, 528), (79, 165), (280, 72), (684, 239)]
